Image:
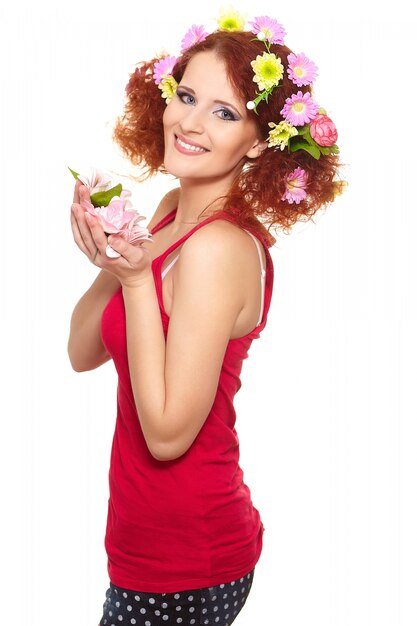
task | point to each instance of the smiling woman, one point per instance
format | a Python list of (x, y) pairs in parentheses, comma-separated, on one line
[(196, 123), (234, 121)]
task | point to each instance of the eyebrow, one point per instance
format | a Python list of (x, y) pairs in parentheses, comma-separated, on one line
[(216, 101)]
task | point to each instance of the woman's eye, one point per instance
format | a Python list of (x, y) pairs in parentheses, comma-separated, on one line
[(225, 114), (187, 98)]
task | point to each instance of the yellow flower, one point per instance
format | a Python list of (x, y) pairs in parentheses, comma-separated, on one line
[(231, 20), (281, 134), (268, 70), (168, 86), (340, 187)]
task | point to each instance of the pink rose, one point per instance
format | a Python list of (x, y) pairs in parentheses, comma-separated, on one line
[(323, 130)]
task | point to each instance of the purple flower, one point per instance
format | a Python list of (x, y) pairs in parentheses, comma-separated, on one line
[(295, 186), (269, 28), (299, 109), (163, 68), (301, 70), (196, 34)]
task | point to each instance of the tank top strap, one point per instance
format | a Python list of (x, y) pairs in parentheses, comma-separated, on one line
[(168, 218), (164, 221), (263, 273)]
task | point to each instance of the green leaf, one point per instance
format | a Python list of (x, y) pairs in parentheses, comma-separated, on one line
[(324, 150), (103, 198), (302, 130), (322, 111), (73, 173), (334, 149), (301, 144), (310, 139)]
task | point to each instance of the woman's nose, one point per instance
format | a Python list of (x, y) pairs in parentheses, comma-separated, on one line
[(193, 120)]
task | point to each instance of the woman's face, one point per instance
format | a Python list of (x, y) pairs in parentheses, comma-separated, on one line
[(207, 131)]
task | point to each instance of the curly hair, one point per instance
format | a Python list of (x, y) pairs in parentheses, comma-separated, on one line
[(255, 196)]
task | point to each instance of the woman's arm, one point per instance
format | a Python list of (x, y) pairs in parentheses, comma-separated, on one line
[(174, 383), (85, 347)]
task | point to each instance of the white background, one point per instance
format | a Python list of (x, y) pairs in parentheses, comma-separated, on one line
[(327, 410)]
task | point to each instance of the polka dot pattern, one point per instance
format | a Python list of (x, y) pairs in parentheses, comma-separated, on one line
[(211, 606)]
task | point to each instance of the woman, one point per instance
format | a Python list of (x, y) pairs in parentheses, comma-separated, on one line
[(178, 315)]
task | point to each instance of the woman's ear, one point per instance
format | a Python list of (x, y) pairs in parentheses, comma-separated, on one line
[(257, 149)]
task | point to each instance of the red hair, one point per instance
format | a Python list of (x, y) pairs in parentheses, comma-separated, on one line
[(256, 193)]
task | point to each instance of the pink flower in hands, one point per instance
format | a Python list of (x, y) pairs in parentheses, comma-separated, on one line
[(134, 232), (96, 180), (323, 130), (114, 219)]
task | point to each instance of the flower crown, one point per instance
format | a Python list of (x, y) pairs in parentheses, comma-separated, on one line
[(305, 125)]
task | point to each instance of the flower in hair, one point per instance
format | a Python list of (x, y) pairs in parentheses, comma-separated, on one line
[(268, 71), (303, 125), (281, 134), (296, 183), (299, 109), (269, 29), (323, 130), (301, 70), (195, 35), (163, 68), (168, 86), (231, 20)]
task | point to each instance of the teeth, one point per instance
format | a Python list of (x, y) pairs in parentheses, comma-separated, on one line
[(188, 147)]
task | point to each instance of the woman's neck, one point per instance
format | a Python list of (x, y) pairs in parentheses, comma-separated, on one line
[(198, 201)]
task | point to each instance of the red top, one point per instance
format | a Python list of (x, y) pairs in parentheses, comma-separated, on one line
[(190, 522)]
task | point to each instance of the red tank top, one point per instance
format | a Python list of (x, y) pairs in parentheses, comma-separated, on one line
[(190, 522)]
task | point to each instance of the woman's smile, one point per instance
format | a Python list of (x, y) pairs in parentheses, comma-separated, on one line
[(185, 146)]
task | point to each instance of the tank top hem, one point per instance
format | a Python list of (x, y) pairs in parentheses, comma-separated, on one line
[(186, 584)]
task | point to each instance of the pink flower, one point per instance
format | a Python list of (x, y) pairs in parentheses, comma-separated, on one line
[(295, 186), (134, 232), (323, 130), (269, 28), (96, 180), (301, 70), (163, 68), (299, 109), (196, 34), (113, 217)]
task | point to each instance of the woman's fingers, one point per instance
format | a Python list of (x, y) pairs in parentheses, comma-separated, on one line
[(76, 232), (98, 236), (83, 235), (76, 197)]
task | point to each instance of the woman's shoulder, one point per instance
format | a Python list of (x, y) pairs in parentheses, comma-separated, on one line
[(221, 240)]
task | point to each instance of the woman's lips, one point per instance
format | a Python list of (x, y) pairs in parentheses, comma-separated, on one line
[(188, 147)]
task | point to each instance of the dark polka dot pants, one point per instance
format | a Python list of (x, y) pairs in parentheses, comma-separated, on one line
[(208, 606)]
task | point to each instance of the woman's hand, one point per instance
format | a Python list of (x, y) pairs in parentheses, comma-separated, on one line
[(132, 268)]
